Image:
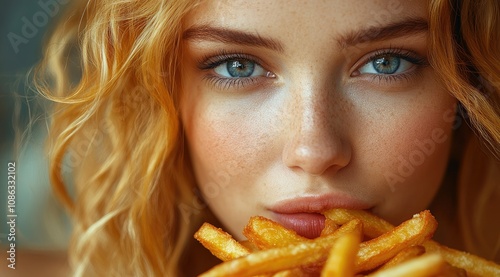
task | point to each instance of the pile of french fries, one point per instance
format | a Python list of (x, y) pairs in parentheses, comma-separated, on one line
[(352, 243)]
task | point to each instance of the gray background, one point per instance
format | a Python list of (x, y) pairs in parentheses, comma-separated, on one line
[(41, 223)]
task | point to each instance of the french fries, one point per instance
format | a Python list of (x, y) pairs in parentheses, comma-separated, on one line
[(220, 243), (412, 232), (404, 255), (307, 253), (265, 233), (373, 226), (474, 265), (405, 250), (329, 228), (425, 265), (343, 255)]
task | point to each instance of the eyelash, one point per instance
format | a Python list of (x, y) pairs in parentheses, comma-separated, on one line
[(210, 62)]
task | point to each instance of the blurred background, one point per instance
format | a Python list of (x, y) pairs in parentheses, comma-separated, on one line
[(42, 226)]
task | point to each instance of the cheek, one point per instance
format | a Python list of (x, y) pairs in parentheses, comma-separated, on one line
[(228, 156), (213, 149), (419, 158), (224, 147), (219, 148), (413, 160), (425, 142)]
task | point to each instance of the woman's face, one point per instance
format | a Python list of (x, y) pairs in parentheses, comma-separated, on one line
[(291, 108)]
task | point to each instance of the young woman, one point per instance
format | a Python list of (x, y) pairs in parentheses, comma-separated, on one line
[(185, 110)]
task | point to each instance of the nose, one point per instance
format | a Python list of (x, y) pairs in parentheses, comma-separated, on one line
[(316, 141)]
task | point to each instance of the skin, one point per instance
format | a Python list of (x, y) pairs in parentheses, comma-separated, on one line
[(319, 123)]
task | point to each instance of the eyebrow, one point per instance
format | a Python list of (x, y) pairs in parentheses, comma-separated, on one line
[(225, 35), (402, 28)]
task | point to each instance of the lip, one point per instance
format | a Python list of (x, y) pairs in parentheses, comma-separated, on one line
[(304, 214)]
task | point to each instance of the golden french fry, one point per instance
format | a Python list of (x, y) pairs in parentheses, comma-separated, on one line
[(265, 233), (474, 265), (451, 271), (342, 256), (373, 226), (221, 244), (404, 255), (414, 231), (249, 245), (330, 227), (283, 258), (422, 266), (296, 272), (392, 251)]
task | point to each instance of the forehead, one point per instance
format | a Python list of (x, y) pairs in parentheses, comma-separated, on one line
[(283, 17)]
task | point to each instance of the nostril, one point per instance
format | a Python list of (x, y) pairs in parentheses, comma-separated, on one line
[(316, 159)]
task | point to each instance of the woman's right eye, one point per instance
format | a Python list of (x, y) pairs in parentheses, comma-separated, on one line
[(239, 68), (234, 71)]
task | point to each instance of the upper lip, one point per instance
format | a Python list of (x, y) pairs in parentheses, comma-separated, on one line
[(318, 204)]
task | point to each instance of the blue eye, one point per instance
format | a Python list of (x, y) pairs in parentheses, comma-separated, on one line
[(239, 68), (234, 71), (386, 64)]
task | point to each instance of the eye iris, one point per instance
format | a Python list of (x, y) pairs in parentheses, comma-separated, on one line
[(240, 68), (386, 64)]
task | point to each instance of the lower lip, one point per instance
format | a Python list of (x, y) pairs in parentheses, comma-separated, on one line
[(308, 225)]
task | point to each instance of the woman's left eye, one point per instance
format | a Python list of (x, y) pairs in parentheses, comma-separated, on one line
[(386, 64), (239, 68)]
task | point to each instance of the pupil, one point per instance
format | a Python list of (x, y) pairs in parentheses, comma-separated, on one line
[(240, 68), (387, 64), (237, 64)]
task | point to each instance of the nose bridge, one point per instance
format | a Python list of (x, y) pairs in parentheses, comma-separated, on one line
[(315, 95), (312, 109), (315, 142)]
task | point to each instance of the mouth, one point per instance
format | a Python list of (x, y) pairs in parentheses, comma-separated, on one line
[(304, 214)]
